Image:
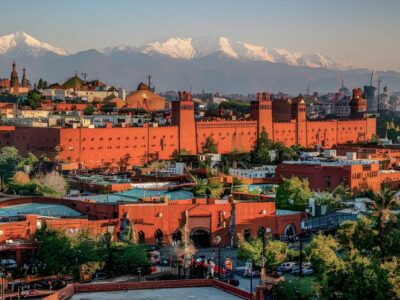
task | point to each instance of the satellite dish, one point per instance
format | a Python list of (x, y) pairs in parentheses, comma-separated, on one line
[(268, 230)]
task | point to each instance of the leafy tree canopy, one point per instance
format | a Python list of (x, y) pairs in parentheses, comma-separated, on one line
[(293, 193)]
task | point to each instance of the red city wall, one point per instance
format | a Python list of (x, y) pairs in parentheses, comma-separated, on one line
[(229, 135), (122, 147), (117, 147)]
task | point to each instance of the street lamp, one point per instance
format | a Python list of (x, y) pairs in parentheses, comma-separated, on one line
[(217, 242), (2, 275), (263, 232)]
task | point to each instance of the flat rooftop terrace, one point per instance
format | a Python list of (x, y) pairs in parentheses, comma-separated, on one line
[(195, 293), (41, 209), (338, 163)]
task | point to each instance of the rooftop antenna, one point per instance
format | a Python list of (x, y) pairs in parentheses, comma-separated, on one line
[(149, 81), (372, 77), (379, 90), (337, 82), (84, 75)]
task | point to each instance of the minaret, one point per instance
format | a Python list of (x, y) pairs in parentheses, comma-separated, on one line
[(14, 81), (24, 81), (14, 75)]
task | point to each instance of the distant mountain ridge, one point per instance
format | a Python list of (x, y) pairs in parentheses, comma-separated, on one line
[(212, 64), (190, 48)]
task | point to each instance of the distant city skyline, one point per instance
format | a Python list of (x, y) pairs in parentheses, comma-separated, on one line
[(362, 33)]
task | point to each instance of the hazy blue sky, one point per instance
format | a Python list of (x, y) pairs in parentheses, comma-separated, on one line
[(362, 32)]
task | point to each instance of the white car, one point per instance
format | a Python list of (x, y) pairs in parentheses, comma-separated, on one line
[(8, 263), (286, 267)]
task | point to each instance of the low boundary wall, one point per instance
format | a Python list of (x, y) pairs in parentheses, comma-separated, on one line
[(74, 288)]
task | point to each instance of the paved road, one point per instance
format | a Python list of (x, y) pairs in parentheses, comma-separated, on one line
[(244, 283)]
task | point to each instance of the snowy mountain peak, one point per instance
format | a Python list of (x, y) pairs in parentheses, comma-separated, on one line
[(172, 47), (21, 41), (189, 48)]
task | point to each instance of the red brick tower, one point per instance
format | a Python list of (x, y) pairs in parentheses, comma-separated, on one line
[(299, 111), (261, 111), (358, 105), (183, 117)]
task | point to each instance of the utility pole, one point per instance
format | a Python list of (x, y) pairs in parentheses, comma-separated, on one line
[(301, 256)]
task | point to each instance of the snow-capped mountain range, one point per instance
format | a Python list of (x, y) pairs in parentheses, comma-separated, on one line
[(203, 63), (185, 49), (191, 48)]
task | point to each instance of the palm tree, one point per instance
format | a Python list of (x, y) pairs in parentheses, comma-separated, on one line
[(382, 207)]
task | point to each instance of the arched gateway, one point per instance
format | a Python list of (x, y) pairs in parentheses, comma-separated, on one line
[(201, 237)]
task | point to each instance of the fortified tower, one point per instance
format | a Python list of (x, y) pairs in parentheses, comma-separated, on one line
[(183, 117), (261, 111), (299, 113)]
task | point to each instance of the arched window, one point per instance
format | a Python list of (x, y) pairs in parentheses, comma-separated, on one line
[(159, 236), (246, 234), (141, 237)]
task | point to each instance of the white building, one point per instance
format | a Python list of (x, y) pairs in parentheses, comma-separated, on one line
[(259, 172)]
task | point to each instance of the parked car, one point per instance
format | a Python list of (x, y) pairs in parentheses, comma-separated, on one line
[(101, 276), (286, 267), (306, 271), (248, 269), (245, 272), (9, 263), (52, 283)]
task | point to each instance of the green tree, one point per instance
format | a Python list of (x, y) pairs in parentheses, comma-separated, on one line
[(284, 153), (322, 253), (28, 162), (276, 252), (9, 161), (375, 139), (54, 251), (290, 287), (326, 198), (260, 153), (251, 250), (293, 193), (347, 267), (342, 192), (88, 110), (382, 208), (33, 99), (209, 145), (127, 259)]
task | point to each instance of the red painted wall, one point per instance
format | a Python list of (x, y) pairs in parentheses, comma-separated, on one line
[(121, 147)]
